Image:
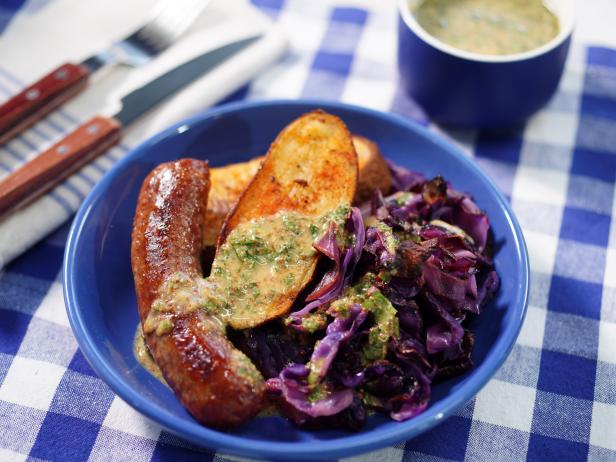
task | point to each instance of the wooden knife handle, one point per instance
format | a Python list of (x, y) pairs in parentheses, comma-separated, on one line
[(58, 162), (40, 98)]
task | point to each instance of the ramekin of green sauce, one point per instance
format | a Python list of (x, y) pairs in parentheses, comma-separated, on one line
[(483, 63)]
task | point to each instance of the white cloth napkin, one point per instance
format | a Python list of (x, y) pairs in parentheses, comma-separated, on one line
[(46, 34)]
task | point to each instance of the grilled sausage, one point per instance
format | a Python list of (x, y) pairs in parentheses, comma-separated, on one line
[(216, 382)]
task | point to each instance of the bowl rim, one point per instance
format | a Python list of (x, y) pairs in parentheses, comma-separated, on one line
[(404, 12), (338, 447)]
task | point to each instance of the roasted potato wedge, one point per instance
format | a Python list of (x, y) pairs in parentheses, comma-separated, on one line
[(229, 181), (373, 169), (310, 169)]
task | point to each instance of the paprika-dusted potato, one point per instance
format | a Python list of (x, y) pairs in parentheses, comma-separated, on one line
[(229, 181), (374, 172), (310, 175)]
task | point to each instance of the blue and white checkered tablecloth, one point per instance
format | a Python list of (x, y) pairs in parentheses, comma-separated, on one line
[(554, 399)]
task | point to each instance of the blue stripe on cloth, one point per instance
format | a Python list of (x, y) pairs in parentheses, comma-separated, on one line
[(567, 375), (68, 208), (596, 164), (98, 168), (26, 419), (81, 365), (561, 416), (28, 143), (66, 116), (59, 236), (8, 10), (64, 437), (331, 65), (605, 392), (6, 167), (21, 293), (447, 441), (14, 154), (270, 7), (76, 192), (349, 15), (568, 295), (543, 448), (337, 63), (499, 155), (601, 56), (498, 442), (585, 226), (270, 4), (599, 106), (82, 396), (590, 194), (571, 334), (5, 363), (58, 128), (13, 327), (42, 261)]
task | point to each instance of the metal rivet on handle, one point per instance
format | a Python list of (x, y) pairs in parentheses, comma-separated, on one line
[(32, 94), (92, 129), (61, 74), (62, 149)]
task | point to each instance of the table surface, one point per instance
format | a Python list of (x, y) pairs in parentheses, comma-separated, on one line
[(555, 397)]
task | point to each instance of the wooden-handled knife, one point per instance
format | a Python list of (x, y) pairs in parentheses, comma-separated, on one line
[(100, 133)]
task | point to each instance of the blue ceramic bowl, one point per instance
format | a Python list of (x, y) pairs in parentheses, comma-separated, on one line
[(461, 88), (100, 297)]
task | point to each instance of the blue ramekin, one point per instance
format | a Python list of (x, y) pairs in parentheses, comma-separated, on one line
[(457, 87)]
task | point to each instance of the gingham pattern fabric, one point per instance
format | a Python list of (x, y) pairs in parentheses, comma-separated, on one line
[(555, 397)]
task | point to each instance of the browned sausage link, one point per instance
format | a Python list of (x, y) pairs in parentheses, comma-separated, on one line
[(167, 225), (207, 373)]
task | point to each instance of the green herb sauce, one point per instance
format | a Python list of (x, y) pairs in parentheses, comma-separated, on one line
[(143, 355), (266, 258), (260, 262), (385, 316), (391, 241), (492, 27), (314, 321)]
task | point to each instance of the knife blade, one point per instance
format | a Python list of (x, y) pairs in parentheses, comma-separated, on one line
[(100, 133)]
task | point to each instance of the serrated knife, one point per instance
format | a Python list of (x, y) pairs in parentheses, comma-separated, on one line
[(100, 133)]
